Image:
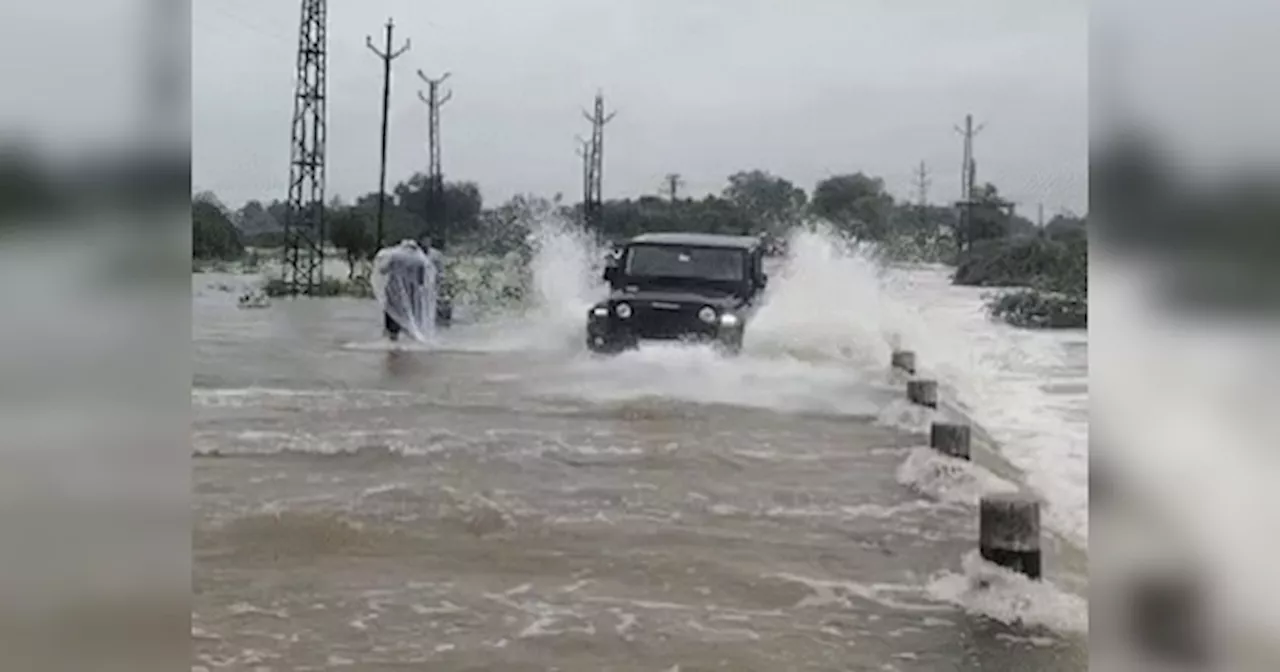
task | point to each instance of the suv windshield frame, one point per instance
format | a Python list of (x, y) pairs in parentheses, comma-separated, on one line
[(741, 276)]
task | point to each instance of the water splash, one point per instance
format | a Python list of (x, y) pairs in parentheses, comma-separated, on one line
[(827, 302), (559, 279), (1000, 594), (566, 274)]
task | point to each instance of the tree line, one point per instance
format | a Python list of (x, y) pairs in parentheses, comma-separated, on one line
[(986, 240), (751, 203)]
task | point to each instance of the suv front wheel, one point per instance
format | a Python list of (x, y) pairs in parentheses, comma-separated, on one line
[(601, 344)]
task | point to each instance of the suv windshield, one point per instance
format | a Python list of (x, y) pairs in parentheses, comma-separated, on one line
[(695, 263)]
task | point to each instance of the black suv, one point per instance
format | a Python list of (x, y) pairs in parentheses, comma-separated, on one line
[(678, 286)]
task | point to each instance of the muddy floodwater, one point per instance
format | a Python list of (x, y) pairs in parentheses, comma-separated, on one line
[(503, 501)]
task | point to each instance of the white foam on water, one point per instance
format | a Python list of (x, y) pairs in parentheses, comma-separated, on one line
[(385, 345), (1001, 377), (906, 416), (995, 592), (948, 479), (833, 303), (826, 592), (701, 375)]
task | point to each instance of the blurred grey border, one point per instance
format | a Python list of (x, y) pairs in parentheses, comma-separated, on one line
[(95, 157), (1185, 187)]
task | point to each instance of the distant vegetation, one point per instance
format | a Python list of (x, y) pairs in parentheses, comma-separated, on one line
[(1049, 266), (995, 248), (214, 237)]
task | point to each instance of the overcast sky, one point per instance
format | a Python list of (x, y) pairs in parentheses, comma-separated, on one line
[(704, 88)]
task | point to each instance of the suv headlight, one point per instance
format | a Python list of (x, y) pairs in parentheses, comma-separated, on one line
[(729, 320), (599, 311), (623, 310), (707, 314)]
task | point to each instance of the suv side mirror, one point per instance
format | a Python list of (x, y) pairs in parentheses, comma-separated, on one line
[(763, 280), (610, 274)]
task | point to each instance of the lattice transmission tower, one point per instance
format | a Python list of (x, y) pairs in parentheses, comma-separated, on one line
[(304, 219)]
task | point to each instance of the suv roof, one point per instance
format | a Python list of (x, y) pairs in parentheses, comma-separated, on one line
[(696, 240)]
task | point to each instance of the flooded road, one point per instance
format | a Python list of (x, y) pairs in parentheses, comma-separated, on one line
[(503, 501)]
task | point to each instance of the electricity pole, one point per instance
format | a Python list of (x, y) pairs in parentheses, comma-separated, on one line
[(387, 56), (673, 183), (594, 205), (435, 177), (584, 150), (967, 179)]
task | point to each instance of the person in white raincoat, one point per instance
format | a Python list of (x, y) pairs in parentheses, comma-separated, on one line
[(404, 283)]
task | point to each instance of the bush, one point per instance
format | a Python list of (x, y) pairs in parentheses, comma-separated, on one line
[(1037, 309), (1040, 262), (1051, 267)]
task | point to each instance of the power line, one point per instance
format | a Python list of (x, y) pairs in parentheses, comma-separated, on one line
[(387, 56)]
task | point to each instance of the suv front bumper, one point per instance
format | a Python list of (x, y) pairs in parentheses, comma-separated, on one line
[(609, 332)]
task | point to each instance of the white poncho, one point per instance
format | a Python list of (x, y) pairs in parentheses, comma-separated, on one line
[(404, 283)]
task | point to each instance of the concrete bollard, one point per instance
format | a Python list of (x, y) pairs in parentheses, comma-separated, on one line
[(1009, 532), (903, 360), (923, 392), (950, 438)]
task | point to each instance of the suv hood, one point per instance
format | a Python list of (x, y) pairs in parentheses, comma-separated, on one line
[(670, 296)]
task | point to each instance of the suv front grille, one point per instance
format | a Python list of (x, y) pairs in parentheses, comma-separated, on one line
[(666, 323)]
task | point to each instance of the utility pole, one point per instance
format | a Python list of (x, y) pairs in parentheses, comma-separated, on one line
[(387, 56), (967, 179), (673, 182), (594, 205), (583, 150), (1040, 216), (435, 177), (967, 170), (304, 215)]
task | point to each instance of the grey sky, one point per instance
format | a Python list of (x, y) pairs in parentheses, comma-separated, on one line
[(702, 87)]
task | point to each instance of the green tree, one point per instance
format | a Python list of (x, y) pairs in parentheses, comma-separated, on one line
[(253, 218), (769, 202), (857, 204), (989, 218), (213, 235), (349, 231), (460, 210), (506, 228)]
